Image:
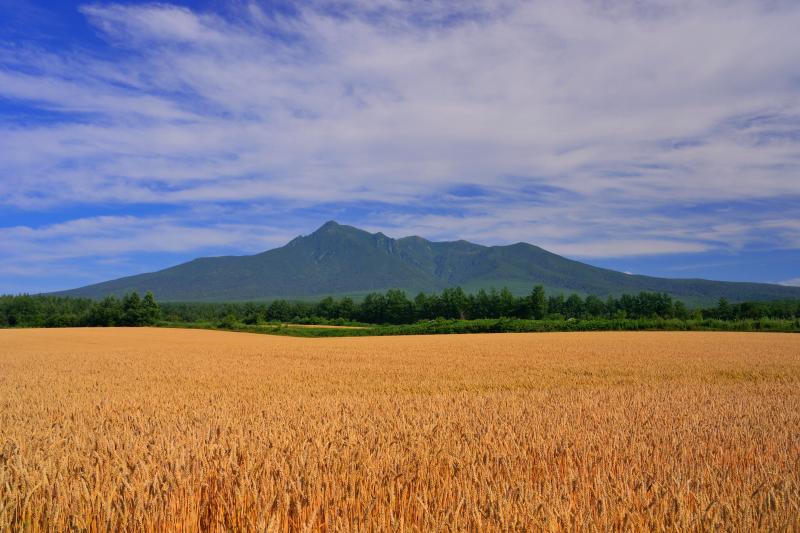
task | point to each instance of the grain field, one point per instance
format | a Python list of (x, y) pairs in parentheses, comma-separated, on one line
[(187, 430)]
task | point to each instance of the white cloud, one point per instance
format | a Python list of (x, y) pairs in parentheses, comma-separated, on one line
[(587, 123), (794, 282), (109, 237), (626, 248)]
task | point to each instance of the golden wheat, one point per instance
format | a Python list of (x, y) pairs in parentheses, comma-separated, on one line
[(153, 429)]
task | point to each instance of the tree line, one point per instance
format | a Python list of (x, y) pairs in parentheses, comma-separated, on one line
[(57, 311), (396, 307), (391, 307)]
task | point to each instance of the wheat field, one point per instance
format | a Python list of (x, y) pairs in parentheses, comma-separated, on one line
[(187, 430)]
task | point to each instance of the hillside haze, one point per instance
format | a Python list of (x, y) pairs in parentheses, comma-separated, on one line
[(343, 260)]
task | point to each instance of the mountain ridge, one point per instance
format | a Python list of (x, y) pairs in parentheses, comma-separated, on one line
[(341, 260)]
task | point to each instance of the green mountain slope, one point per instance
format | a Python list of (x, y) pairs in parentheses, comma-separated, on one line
[(337, 260)]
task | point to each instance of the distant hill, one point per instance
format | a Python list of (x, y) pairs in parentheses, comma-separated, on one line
[(339, 260)]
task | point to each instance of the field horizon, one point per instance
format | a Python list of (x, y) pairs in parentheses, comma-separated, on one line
[(165, 429)]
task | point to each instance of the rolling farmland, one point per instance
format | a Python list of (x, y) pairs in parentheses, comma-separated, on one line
[(131, 429)]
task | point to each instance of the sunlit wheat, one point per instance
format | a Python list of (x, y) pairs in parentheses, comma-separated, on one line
[(150, 429)]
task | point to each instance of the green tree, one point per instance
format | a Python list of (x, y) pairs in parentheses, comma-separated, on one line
[(373, 308), (279, 310), (399, 309), (573, 307), (326, 308), (594, 307), (22, 312), (346, 308), (151, 311), (481, 305), (507, 303), (425, 306), (724, 309), (107, 312), (555, 305), (679, 310), (454, 303), (538, 303), (132, 310), (611, 307)]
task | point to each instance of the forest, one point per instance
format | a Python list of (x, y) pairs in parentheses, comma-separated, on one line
[(42, 311), (393, 307)]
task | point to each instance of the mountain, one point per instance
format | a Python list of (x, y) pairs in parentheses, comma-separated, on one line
[(339, 260)]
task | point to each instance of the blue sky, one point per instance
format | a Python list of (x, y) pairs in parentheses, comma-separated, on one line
[(657, 137)]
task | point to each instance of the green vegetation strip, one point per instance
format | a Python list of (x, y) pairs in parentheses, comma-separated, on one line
[(504, 325), (392, 313)]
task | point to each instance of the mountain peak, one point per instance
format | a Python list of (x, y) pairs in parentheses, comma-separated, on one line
[(332, 229), (328, 226)]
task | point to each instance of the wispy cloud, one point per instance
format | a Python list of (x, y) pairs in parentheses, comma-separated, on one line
[(596, 129), (111, 236), (86, 249)]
